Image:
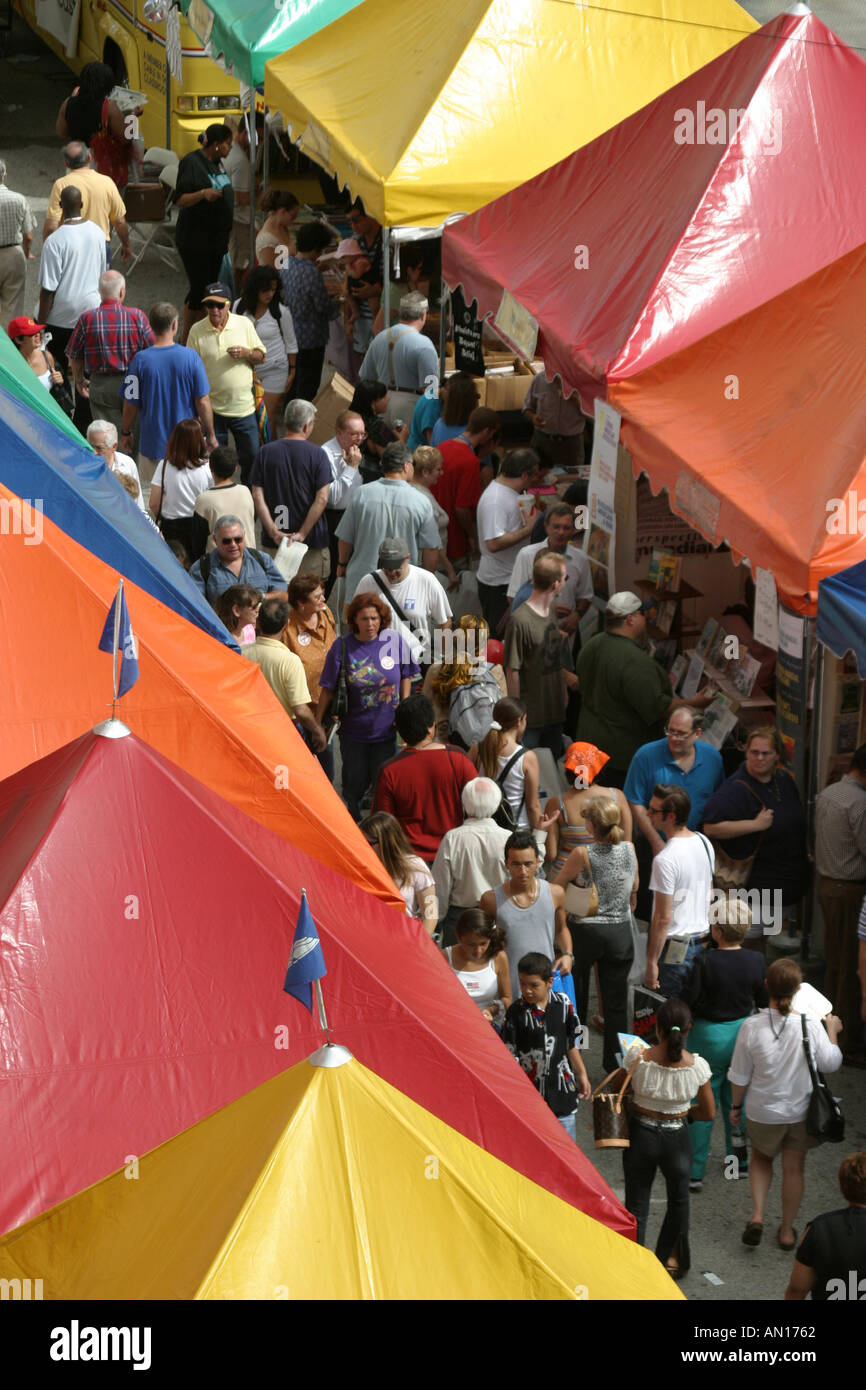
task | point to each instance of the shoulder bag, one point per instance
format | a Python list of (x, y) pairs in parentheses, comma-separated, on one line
[(610, 1112), (582, 902), (339, 706), (729, 873), (824, 1118), (505, 814), (404, 618)]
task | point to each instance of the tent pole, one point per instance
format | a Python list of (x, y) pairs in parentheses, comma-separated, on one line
[(266, 154), (386, 272), (252, 134), (816, 759), (444, 311)]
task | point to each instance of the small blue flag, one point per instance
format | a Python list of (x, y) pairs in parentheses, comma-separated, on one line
[(117, 636), (307, 962)]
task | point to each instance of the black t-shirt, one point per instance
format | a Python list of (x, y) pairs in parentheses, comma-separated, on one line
[(834, 1247), (541, 1042), (725, 985), (206, 225)]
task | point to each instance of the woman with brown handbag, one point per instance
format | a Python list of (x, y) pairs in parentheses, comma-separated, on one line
[(662, 1087), (604, 935)]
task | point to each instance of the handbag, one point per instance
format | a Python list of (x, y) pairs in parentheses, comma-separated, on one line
[(732, 874), (824, 1118), (339, 706), (582, 902), (610, 1112)]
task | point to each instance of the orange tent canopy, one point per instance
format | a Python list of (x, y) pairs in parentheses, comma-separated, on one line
[(759, 442), (198, 702)]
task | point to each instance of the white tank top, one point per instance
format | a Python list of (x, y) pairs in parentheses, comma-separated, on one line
[(482, 986), (513, 786)]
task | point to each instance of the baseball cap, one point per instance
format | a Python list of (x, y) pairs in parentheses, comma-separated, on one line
[(23, 327), (622, 604), (217, 293), (586, 759), (348, 247), (392, 553)]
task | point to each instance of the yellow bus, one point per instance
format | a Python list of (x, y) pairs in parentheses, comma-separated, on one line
[(115, 32)]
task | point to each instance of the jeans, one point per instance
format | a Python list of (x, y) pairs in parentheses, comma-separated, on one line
[(670, 1150), (673, 977), (245, 432), (569, 1124), (545, 736), (715, 1043), (611, 945), (361, 763)]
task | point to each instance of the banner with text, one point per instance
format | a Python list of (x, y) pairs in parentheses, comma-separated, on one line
[(601, 533)]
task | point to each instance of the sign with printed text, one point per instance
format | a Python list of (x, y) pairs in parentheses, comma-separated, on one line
[(766, 610), (468, 355), (600, 540)]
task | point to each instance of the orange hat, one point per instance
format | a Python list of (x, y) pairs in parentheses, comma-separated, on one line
[(587, 759)]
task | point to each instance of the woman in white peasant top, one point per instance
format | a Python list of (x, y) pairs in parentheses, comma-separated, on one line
[(665, 1079)]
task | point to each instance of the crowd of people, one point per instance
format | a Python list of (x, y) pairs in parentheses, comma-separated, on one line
[(450, 728)]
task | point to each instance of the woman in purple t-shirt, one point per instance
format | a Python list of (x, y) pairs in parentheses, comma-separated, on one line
[(379, 674)]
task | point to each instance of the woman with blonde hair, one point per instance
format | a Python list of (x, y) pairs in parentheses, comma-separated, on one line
[(501, 756), (609, 863), (427, 463), (770, 1069), (464, 665), (411, 875)]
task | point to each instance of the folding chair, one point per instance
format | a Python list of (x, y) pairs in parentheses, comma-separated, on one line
[(150, 204)]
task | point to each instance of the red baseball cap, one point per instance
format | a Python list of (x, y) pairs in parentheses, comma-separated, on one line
[(23, 327)]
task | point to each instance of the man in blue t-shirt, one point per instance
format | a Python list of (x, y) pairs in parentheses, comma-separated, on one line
[(290, 481), (680, 759), (163, 385)]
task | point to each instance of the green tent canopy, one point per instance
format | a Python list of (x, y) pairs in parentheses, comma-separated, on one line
[(21, 381), (244, 34)]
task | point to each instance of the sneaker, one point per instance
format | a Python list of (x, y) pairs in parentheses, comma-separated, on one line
[(696, 1185)]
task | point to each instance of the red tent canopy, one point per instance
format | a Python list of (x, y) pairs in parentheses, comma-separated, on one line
[(147, 926), (728, 189)]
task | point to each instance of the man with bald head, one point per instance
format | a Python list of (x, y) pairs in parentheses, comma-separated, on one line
[(100, 201), (73, 259), (103, 344)]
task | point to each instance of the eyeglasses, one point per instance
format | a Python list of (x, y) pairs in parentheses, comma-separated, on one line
[(230, 540), (680, 733), (757, 753), (655, 810), (210, 306)]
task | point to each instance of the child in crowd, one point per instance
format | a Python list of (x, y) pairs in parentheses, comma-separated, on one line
[(542, 1031)]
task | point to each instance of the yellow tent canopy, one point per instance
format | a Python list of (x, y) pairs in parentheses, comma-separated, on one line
[(426, 110), (324, 1183)]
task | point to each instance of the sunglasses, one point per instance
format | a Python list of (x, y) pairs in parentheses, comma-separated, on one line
[(230, 540)]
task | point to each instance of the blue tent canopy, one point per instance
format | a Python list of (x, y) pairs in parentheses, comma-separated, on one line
[(72, 487), (842, 613)]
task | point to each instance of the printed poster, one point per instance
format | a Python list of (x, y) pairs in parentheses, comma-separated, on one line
[(601, 532), (60, 19)]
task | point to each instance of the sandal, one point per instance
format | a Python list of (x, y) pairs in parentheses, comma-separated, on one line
[(784, 1245), (754, 1232)]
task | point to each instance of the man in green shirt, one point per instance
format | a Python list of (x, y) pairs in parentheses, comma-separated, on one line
[(625, 695), (534, 666)]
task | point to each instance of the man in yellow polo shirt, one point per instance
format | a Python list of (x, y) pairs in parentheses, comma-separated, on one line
[(230, 349), (283, 670), (100, 201)]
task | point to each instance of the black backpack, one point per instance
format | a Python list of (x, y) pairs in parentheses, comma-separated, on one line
[(505, 815)]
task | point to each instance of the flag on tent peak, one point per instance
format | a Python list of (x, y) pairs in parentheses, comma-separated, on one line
[(117, 638), (306, 962)]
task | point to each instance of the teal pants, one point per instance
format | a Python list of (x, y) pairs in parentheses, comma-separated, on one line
[(715, 1043)]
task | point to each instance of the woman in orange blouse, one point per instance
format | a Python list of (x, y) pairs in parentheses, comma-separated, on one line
[(309, 633)]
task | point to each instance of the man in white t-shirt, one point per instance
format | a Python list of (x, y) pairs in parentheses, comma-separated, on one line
[(73, 258), (237, 166), (682, 882), (502, 531), (416, 592), (344, 451), (574, 598)]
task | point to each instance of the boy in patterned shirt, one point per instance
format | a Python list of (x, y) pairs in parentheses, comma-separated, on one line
[(542, 1030)]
